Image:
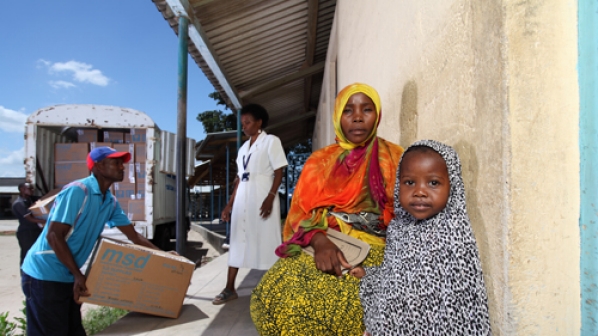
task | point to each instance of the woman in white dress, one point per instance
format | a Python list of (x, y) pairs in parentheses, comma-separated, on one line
[(254, 208)]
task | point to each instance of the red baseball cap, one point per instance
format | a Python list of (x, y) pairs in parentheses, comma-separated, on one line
[(100, 153)]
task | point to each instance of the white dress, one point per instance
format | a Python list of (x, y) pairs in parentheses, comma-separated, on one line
[(254, 239)]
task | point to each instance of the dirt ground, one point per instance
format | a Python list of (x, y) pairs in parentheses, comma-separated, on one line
[(10, 280)]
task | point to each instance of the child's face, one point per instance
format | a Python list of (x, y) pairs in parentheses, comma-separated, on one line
[(425, 185)]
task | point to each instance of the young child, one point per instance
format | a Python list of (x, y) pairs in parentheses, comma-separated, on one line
[(430, 282)]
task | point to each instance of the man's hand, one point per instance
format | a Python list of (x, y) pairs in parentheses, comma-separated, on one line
[(328, 257), (79, 287)]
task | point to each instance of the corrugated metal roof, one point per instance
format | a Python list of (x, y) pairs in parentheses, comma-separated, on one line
[(271, 52)]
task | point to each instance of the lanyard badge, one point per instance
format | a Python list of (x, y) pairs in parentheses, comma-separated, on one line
[(245, 176)]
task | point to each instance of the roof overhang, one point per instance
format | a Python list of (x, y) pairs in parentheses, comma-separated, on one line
[(269, 52)]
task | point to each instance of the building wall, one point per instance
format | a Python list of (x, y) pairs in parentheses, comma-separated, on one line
[(497, 81)]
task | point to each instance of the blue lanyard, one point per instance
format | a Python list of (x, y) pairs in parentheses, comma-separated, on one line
[(245, 163)]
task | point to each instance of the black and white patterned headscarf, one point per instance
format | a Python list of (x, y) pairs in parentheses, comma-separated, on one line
[(430, 282)]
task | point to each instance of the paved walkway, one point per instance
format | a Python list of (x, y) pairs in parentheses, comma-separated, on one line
[(10, 278), (198, 317)]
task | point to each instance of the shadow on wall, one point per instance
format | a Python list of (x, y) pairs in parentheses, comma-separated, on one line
[(470, 171), (408, 116)]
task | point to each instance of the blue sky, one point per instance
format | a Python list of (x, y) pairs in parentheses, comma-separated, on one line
[(108, 52)]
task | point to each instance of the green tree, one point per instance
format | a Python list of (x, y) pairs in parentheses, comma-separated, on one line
[(217, 120)]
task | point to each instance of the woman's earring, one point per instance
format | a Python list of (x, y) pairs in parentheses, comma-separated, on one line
[(259, 131)]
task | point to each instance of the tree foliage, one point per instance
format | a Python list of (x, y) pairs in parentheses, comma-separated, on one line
[(217, 120)]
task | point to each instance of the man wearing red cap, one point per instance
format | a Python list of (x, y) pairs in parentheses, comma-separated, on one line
[(52, 280)]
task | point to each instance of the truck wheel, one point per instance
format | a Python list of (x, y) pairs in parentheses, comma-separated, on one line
[(162, 237)]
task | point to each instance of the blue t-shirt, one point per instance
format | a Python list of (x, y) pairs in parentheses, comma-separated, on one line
[(81, 205)]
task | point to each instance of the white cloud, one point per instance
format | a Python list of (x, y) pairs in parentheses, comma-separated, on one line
[(61, 84), (43, 63), (12, 121), (12, 164), (82, 72)]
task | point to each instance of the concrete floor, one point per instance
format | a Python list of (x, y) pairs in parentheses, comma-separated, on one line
[(198, 317)]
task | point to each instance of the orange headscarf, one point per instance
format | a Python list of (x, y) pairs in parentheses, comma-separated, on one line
[(344, 177)]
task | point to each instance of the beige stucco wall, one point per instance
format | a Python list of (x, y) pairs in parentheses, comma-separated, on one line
[(496, 80)]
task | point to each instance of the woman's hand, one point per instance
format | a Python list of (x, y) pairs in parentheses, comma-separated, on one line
[(225, 214), (328, 257), (266, 208)]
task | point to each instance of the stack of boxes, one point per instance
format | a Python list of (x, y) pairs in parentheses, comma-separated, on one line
[(137, 206), (71, 164)]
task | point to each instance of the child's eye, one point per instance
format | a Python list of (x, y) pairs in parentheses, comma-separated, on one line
[(346, 111), (408, 182), (434, 183)]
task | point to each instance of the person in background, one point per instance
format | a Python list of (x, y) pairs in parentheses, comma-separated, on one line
[(347, 187), (51, 276), (255, 206), (29, 227)]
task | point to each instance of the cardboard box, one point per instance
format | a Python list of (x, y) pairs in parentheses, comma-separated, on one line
[(136, 135), (93, 145), (124, 192), (129, 172), (87, 135), (114, 136), (140, 152), (136, 210), (139, 279), (126, 148), (42, 207), (140, 190), (140, 172), (69, 152), (66, 172)]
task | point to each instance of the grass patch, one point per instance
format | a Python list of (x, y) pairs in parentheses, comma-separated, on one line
[(18, 327), (100, 318)]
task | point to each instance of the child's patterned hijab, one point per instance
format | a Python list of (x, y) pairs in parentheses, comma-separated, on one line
[(430, 282)]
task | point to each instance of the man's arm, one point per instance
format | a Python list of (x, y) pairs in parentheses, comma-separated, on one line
[(33, 219), (135, 237), (56, 237)]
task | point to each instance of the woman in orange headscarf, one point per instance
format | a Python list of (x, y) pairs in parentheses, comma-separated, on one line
[(305, 295)]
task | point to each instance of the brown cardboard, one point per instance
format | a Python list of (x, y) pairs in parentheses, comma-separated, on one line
[(66, 172), (42, 207), (124, 192), (137, 135), (129, 172), (139, 279), (87, 135), (140, 172), (126, 148), (93, 145), (114, 136), (139, 190), (140, 151), (136, 211), (68, 152)]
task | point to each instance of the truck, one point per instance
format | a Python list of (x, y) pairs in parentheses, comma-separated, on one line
[(58, 137)]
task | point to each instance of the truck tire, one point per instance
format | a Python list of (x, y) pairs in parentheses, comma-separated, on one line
[(162, 237)]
